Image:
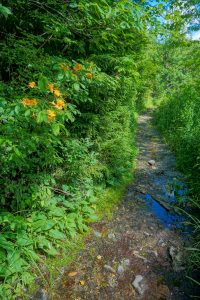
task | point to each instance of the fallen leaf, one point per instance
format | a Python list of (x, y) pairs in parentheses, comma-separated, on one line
[(99, 257), (72, 274), (82, 282)]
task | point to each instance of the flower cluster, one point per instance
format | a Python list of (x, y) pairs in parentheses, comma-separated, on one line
[(29, 102), (32, 84), (77, 68), (51, 115), (58, 104)]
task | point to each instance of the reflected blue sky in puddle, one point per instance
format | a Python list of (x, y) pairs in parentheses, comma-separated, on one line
[(167, 219)]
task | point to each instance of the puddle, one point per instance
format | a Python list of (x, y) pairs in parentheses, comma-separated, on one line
[(167, 219), (172, 191)]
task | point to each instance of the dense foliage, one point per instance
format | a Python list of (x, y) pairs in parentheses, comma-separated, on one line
[(71, 79), (178, 118), (179, 113), (73, 75)]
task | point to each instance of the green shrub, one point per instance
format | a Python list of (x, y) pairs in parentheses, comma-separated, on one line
[(69, 84)]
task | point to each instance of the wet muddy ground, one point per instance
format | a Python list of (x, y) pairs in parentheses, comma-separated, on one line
[(139, 254)]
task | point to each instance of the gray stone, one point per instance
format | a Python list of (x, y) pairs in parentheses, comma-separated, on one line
[(120, 270), (139, 284), (41, 294), (97, 234), (146, 233), (112, 282), (127, 262), (151, 162), (111, 236), (177, 258), (109, 268)]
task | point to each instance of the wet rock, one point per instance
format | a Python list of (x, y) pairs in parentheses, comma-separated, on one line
[(109, 268), (151, 162), (41, 294), (177, 258), (139, 284)]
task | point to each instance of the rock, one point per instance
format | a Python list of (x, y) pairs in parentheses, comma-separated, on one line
[(136, 253), (41, 294), (127, 262), (139, 284), (151, 162), (123, 266), (146, 233), (177, 258), (111, 236), (120, 270), (112, 282), (109, 268), (153, 252), (97, 234), (162, 243)]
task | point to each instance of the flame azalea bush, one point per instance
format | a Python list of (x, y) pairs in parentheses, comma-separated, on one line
[(70, 80)]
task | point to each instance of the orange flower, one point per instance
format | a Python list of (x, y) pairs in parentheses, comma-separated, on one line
[(50, 87), (51, 115), (56, 92), (32, 84), (89, 75), (29, 102), (64, 67), (78, 67), (60, 104)]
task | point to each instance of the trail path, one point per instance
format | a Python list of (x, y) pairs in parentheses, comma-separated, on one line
[(138, 254)]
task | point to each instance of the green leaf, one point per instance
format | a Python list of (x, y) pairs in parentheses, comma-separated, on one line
[(56, 234), (27, 113), (42, 83), (60, 76), (76, 86), (56, 128), (17, 109), (6, 244), (24, 241), (73, 5), (57, 211), (42, 117), (5, 11), (51, 251)]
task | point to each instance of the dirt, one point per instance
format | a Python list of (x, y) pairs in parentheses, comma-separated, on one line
[(142, 242)]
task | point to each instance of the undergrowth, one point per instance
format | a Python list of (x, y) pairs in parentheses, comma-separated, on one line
[(69, 96), (178, 119)]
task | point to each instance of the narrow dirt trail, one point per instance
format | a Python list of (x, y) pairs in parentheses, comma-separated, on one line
[(137, 254)]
